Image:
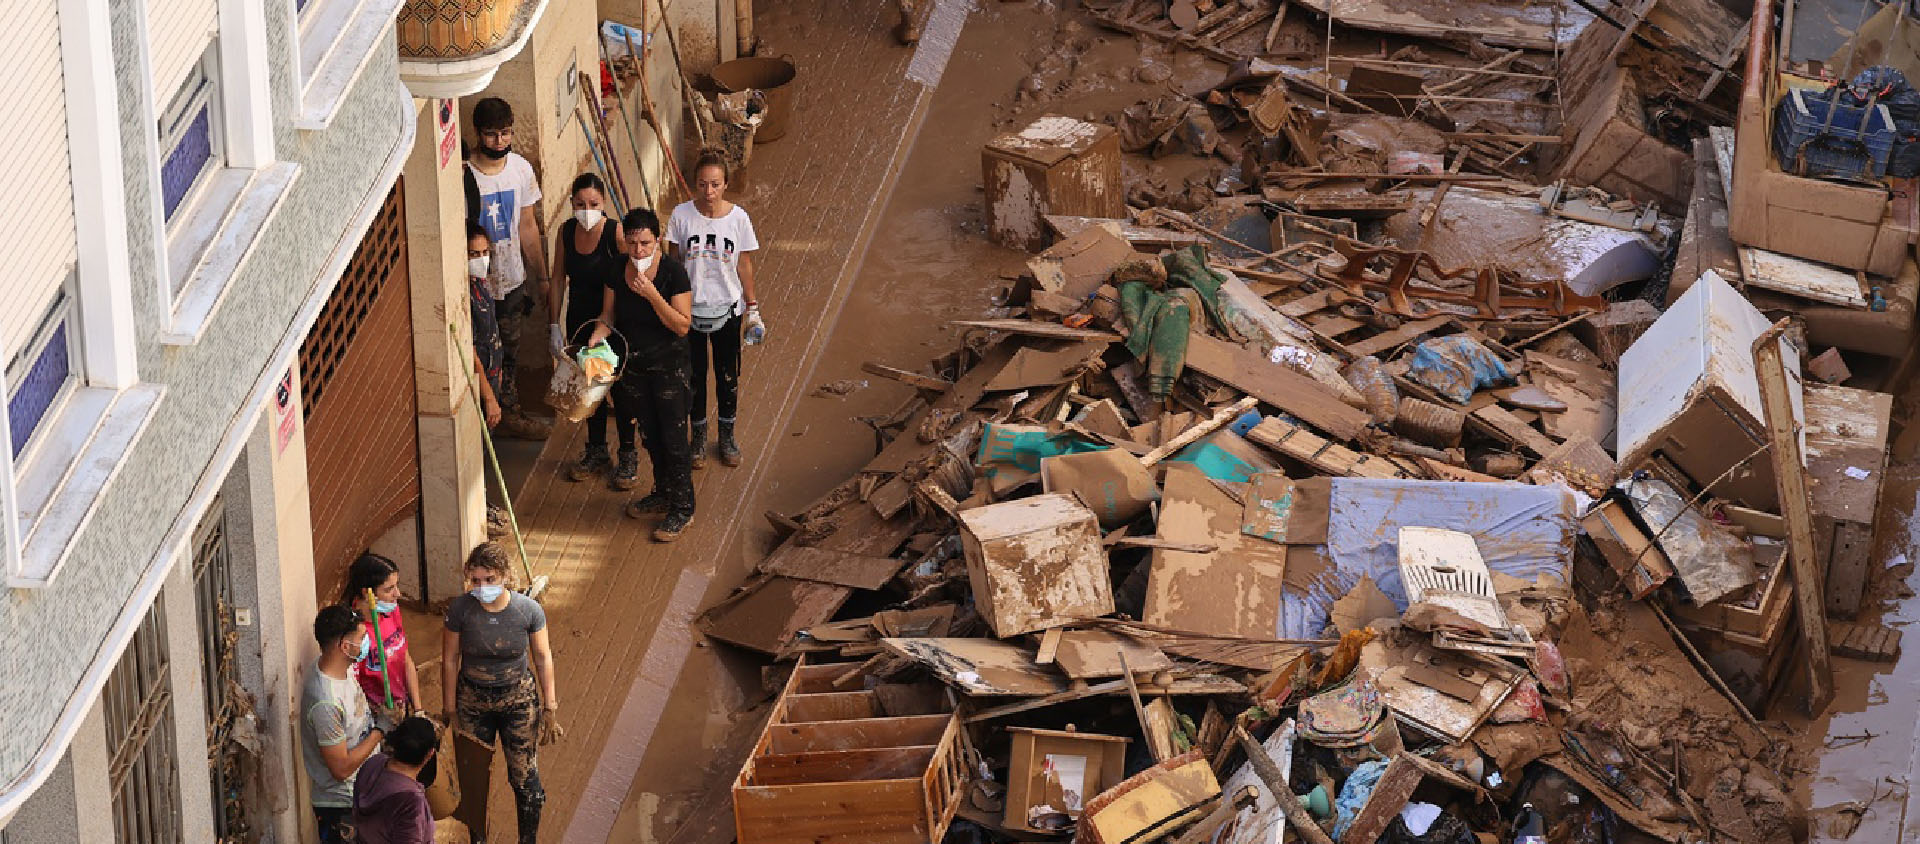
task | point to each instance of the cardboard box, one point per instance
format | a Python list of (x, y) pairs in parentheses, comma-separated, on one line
[(1035, 563), (1057, 165), (1059, 769)]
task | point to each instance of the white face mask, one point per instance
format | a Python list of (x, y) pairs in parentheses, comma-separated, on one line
[(641, 264), (589, 217), (477, 267)]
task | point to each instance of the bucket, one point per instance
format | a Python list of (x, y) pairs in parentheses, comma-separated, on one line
[(1429, 423), (771, 76), (574, 394)]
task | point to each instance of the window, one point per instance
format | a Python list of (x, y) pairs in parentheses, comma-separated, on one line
[(190, 138), (143, 772), (41, 375)]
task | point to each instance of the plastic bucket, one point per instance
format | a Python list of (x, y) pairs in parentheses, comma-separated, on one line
[(771, 76)]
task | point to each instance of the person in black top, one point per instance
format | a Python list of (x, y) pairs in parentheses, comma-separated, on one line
[(586, 261), (652, 306)]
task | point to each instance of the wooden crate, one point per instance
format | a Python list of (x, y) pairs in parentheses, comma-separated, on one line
[(1057, 165), (1035, 563), (828, 769)]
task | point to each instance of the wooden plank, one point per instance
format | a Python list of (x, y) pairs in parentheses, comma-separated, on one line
[(1209, 684), (860, 571), (829, 706), (1101, 653), (1333, 325), (1218, 420), (884, 763), (911, 379), (1790, 478), (1323, 455), (1275, 384), (891, 812), (1846, 446), (1406, 333), (1870, 642), (1516, 432), (1031, 328), (855, 734), (1312, 302), (1389, 796), (1849, 567)]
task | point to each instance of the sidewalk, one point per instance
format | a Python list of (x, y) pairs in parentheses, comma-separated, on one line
[(619, 604)]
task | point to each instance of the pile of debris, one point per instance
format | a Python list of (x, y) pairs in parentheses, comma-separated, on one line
[(1364, 492)]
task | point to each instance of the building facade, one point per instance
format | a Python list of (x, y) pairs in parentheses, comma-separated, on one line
[(235, 355)]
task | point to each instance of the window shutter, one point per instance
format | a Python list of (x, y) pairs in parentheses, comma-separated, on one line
[(38, 182), (178, 32)]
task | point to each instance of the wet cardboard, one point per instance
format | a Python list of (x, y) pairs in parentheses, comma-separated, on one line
[(1077, 266), (1111, 482), (1234, 590)]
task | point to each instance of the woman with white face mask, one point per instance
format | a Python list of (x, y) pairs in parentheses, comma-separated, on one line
[(586, 258), (496, 681), (652, 306)]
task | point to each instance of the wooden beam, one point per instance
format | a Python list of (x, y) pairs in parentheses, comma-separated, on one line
[(1790, 476), (911, 379)]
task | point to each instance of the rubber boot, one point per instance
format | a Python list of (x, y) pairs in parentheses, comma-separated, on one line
[(697, 433), (729, 450)]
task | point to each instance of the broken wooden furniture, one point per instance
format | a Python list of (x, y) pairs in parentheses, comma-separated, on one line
[(830, 769), (1056, 771), (1846, 445), (1362, 268), (1055, 166), (1153, 803), (1035, 563)]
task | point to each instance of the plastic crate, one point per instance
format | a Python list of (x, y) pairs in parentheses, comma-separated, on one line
[(1825, 139)]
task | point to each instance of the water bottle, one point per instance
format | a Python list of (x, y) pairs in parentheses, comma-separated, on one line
[(1528, 828), (756, 330)]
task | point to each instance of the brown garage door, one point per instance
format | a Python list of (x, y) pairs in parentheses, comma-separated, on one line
[(357, 388)]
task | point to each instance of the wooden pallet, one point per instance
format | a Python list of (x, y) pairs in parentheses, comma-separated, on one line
[(1302, 444), (1870, 642)]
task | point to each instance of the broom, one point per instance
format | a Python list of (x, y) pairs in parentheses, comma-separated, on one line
[(380, 647), (535, 585)]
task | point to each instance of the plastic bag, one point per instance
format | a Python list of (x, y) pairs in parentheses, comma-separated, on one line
[(1456, 366)]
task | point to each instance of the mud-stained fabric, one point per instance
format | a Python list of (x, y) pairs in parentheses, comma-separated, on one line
[(725, 359), (509, 714), (655, 387), (494, 645)]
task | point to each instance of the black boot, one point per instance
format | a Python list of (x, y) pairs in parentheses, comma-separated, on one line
[(592, 464), (697, 434), (729, 450), (627, 474)]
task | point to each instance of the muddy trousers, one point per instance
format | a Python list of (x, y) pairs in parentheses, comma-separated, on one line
[(725, 357), (511, 313), (510, 714), (606, 415), (655, 392)]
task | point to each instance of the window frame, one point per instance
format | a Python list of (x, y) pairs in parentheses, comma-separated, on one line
[(64, 311), (173, 123)]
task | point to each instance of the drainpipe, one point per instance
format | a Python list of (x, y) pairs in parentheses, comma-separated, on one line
[(743, 26)]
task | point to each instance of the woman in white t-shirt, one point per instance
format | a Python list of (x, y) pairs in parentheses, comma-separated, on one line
[(714, 238)]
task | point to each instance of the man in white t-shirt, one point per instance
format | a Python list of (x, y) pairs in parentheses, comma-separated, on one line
[(338, 730), (506, 191)]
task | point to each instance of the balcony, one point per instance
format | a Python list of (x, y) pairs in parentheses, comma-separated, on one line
[(451, 48)]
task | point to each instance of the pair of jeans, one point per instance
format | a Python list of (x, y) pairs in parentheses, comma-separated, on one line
[(655, 392), (725, 357), (510, 714), (611, 413)]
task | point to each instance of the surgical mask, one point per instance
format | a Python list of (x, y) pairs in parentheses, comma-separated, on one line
[(385, 607), (496, 154), (641, 264), (487, 594), (366, 647), (477, 267), (589, 217)]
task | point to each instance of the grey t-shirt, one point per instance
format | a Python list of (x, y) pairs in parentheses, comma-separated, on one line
[(332, 711), (494, 645)]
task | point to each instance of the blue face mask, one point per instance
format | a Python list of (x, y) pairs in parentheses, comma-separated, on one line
[(487, 594), (385, 607), (366, 647)]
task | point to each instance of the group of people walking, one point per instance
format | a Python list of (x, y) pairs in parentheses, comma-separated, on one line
[(368, 746), (673, 302)]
